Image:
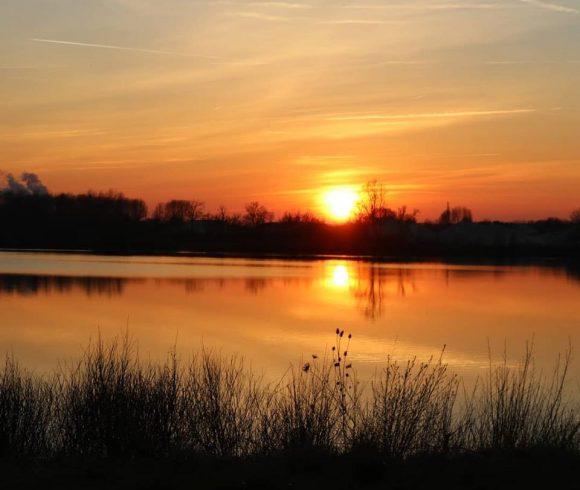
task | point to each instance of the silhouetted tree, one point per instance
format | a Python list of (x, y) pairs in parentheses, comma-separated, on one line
[(372, 207), (445, 217), (298, 217), (221, 214), (372, 203), (461, 215), (575, 216), (91, 207), (257, 214), (408, 217), (180, 211), (458, 214)]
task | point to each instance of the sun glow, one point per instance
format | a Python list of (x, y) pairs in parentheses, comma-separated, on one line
[(340, 203), (338, 277)]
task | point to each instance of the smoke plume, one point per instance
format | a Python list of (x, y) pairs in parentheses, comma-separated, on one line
[(29, 184)]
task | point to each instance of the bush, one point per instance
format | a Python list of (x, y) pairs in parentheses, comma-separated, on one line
[(112, 406)]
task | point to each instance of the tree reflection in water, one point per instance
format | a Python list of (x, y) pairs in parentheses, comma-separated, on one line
[(371, 285), (26, 285), (374, 284)]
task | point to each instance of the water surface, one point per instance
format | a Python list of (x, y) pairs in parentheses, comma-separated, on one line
[(274, 312)]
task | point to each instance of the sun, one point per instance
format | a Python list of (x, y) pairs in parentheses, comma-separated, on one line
[(340, 203)]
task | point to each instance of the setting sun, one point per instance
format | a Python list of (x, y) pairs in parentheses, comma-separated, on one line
[(340, 203)]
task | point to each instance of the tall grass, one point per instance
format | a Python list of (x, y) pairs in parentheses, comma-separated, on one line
[(224, 408), (26, 410), (518, 407), (411, 409), (113, 405)]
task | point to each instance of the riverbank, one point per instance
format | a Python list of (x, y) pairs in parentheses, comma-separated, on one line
[(511, 470), (113, 421), (570, 262)]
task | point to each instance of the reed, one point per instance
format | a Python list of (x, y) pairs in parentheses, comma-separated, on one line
[(112, 405), (26, 412), (411, 409), (518, 407)]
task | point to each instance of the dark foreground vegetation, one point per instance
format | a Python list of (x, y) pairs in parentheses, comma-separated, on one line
[(32, 218), (112, 421)]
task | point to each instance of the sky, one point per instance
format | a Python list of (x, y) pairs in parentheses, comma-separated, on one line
[(475, 102)]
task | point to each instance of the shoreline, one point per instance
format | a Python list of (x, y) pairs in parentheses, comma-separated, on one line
[(538, 260), (112, 420)]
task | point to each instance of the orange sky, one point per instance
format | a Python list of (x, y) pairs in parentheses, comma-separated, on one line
[(475, 102)]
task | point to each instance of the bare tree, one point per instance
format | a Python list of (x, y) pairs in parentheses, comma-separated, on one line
[(298, 217), (457, 214), (461, 214), (222, 214), (179, 211), (257, 214), (575, 216), (372, 204), (404, 215)]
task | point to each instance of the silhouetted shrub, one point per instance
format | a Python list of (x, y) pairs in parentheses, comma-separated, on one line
[(111, 405)]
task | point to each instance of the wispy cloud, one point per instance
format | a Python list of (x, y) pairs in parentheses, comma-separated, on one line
[(552, 6), (119, 48), (406, 62), (357, 22), (51, 133), (426, 115), (29, 67), (260, 16), (284, 5), (325, 160), (258, 4), (427, 7), (528, 62)]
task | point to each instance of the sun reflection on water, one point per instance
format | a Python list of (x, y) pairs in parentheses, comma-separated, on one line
[(339, 277)]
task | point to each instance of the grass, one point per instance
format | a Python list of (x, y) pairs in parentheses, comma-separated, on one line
[(111, 406)]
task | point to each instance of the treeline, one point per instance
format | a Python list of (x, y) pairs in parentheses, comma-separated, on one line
[(112, 222), (90, 220)]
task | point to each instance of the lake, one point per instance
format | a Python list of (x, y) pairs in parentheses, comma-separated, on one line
[(274, 312)]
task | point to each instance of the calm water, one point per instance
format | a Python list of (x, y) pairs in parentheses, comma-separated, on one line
[(275, 311)]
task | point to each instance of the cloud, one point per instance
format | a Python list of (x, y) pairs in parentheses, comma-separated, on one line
[(264, 4), (259, 16), (29, 67), (429, 7), (119, 48), (528, 62), (325, 160), (33, 184), (28, 185), (356, 21), (41, 133), (552, 6), (284, 5), (427, 115)]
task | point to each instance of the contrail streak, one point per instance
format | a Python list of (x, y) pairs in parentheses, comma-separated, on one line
[(120, 48), (552, 6), (428, 115), (424, 7)]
